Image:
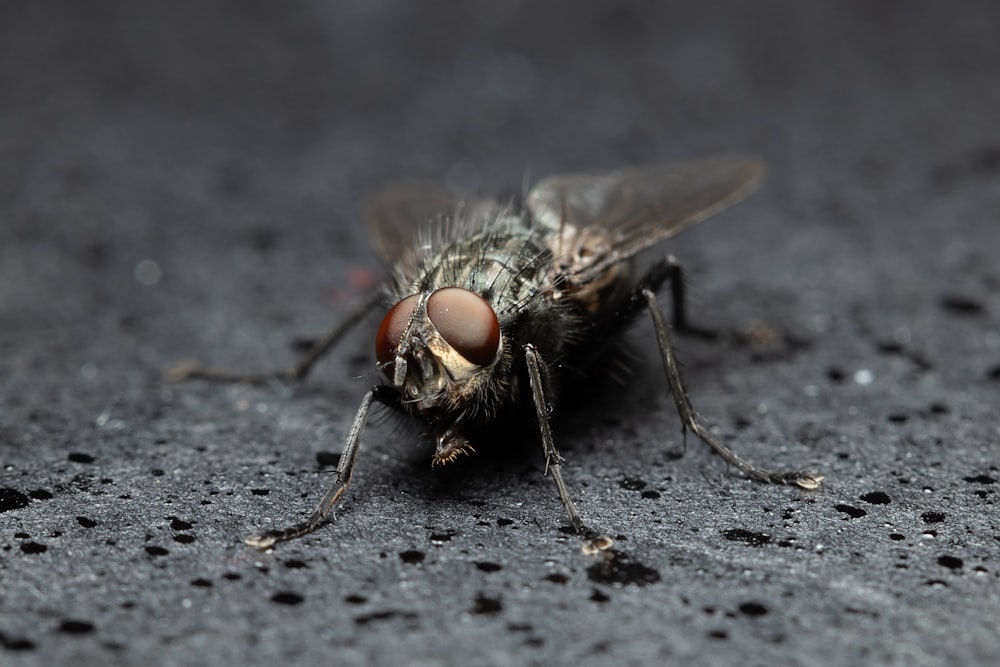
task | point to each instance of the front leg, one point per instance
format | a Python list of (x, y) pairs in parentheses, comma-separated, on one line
[(593, 542), (342, 477)]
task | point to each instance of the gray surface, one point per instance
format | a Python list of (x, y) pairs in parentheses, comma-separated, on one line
[(230, 144)]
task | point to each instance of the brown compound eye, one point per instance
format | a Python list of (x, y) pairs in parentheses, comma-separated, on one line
[(390, 332), (467, 322)]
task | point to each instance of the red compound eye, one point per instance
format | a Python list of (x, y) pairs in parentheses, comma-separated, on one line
[(467, 322), (391, 330)]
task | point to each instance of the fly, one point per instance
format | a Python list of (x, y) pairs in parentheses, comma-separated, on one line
[(493, 306)]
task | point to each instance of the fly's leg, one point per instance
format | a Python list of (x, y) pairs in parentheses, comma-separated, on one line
[(341, 479), (317, 349), (593, 542), (806, 480)]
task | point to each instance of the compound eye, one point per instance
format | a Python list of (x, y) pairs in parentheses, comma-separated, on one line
[(467, 322), (390, 332)]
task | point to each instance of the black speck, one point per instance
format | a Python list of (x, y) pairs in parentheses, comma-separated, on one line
[(201, 583), (288, 598), (295, 564), (16, 643), (412, 556), (650, 494), (993, 372), (747, 537), (260, 492), (40, 494), (877, 498), (157, 472), (156, 551), (76, 627), (85, 522), (718, 634), (177, 524), (898, 418), (557, 578), (486, 605), (33, 547), (355, 599), (504, 522), (11, 499), (980, 479), (80, 457), (897, 537), (487, 566), (632, 484), (835, 374), (957, 304), (933, 517), (615, 567), (950, 562), (232, 576), (597, 595), (851, 511), (183, 538), (752, 609)]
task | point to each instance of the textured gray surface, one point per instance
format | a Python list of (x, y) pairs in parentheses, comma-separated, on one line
[(184, 183)]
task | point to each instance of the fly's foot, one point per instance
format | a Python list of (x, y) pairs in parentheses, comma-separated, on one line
[(595, 544), (262, 542), (183, 370), (808, 480)]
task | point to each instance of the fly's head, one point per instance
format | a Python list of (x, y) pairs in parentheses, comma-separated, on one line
[(440, 350)]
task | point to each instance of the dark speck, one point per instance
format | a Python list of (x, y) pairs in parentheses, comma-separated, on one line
[(486, 566), (877, 498), (75, 627), (752, 609), (632, 484), (851, 511), (80, 457), (33, 548), (287, 598), (980, 479), (177, 524), (615, 567), (11, 499), (950, 562), (486, 605), (933, 517), (412, 556), (961, 305)]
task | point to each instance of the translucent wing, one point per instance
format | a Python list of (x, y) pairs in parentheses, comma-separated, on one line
[(399, 215), (637, 207)]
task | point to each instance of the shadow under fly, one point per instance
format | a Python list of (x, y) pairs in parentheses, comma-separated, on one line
[(494, 305)]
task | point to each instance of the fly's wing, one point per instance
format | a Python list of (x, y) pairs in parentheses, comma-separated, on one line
[(635, 208), (401, 217)]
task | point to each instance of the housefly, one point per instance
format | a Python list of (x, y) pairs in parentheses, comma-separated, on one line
[(492, 306)]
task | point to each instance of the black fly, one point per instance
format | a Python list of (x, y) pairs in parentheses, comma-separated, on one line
[(492, 306)]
